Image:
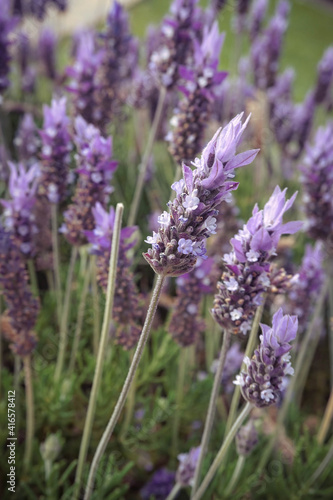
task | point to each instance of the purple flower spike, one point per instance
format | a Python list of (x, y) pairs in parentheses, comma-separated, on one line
[(159, 486), (7, 24), (246, 439), (27, 140), (325, 76), (56, 146), (257, 15), (262, 381), (47, 51), (127, 313), (232, 365), (248, 273), (19, 217), (183, 231), (187, 466)]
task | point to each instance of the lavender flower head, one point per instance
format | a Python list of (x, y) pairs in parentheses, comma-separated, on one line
[(200, 89), (325, 76), (27, 140), (232, 365), (246, 439), (257, 15), (47, 52), (7, 24), (56, 147), (317, 181), (126, 307), (191, 219), (187, 466), (261, 381), (95, 169), (19, 217), (159, 486), (247, 267)]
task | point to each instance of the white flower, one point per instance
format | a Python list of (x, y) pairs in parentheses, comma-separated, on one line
[(184, 246), (245, 327), (152, 239), (239, 380), (231, 285), (192, 309), (236, 314), (267, 395), (252, 255), (264, 279), (191, 201), (164, 219), (210, 224)]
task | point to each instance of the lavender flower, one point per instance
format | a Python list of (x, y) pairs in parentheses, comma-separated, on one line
[(306, 288), (192, 218), (242, 7), (317, 182), (325, 76), (159, 486), (261, 382), (7, 24), (84, 84), (201, 83), (37, 8), (95, 169), (247, 267), (186, 324), (56, 143), (187, 466), (257, 15), (231, 367), (22, 306), (47, 52), (175, 43), (126, 308), (27, 140), (19, 217), (246, 439)]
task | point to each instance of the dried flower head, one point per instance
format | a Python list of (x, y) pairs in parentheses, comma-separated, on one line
[(187, 466)]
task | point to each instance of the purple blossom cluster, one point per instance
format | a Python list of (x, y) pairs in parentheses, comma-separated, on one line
[(246, 439), (55, 154), (247, 274), (232, 365), (47, 45), (186, 322), (22, 306), (159, 486), (324, 76), (24, 56), (27, 140), (183, 231), (7, 24), (200, 88), (95, 169), (127, 310), (262, 380), (37, 8), (187, 466), (19, 216), (305, 290), (317, 183)]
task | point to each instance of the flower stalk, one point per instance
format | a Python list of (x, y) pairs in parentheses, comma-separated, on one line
[(30, 418)]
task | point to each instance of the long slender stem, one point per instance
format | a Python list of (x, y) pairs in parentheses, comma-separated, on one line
[(146, 157), (182, 368), (64, 317), (174, 492), (33, 277), (102, 347), (251, 344), (79, 321), (96, 308), (211, 409), (235, 476), (56, 260), (327, 418), (30, 416), (222, 452), (129, 379), (130, 403)]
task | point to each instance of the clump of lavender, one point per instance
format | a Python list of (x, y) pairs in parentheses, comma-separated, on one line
[(95, 169), (246, 439), (201, 84), (325, 76), (247, 274), (187, 466), (159, 486), (84, 84), (175, 43), (317, 182), (186, 323), (56, 146), (19, 216), (261, 381), (27, 140), (22, 306), (127, 312), (306, 288), (7, 24), (232, 365), (47, 52), (183, 231)]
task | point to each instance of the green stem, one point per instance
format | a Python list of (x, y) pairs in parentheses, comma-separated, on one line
[(182, 368), (222, 452), (174, 492), (327, 418), (102, 347), (79, 321), (129, 379), (64, 317), (30, 417), (96, 308), (145, 160), (235, 476), (33, 277), (327, 461), (330, 326), (56, 260), (211, 408), (130, 403), (251, 344)]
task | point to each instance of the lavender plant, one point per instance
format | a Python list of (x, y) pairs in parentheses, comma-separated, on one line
[(7, 24)]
